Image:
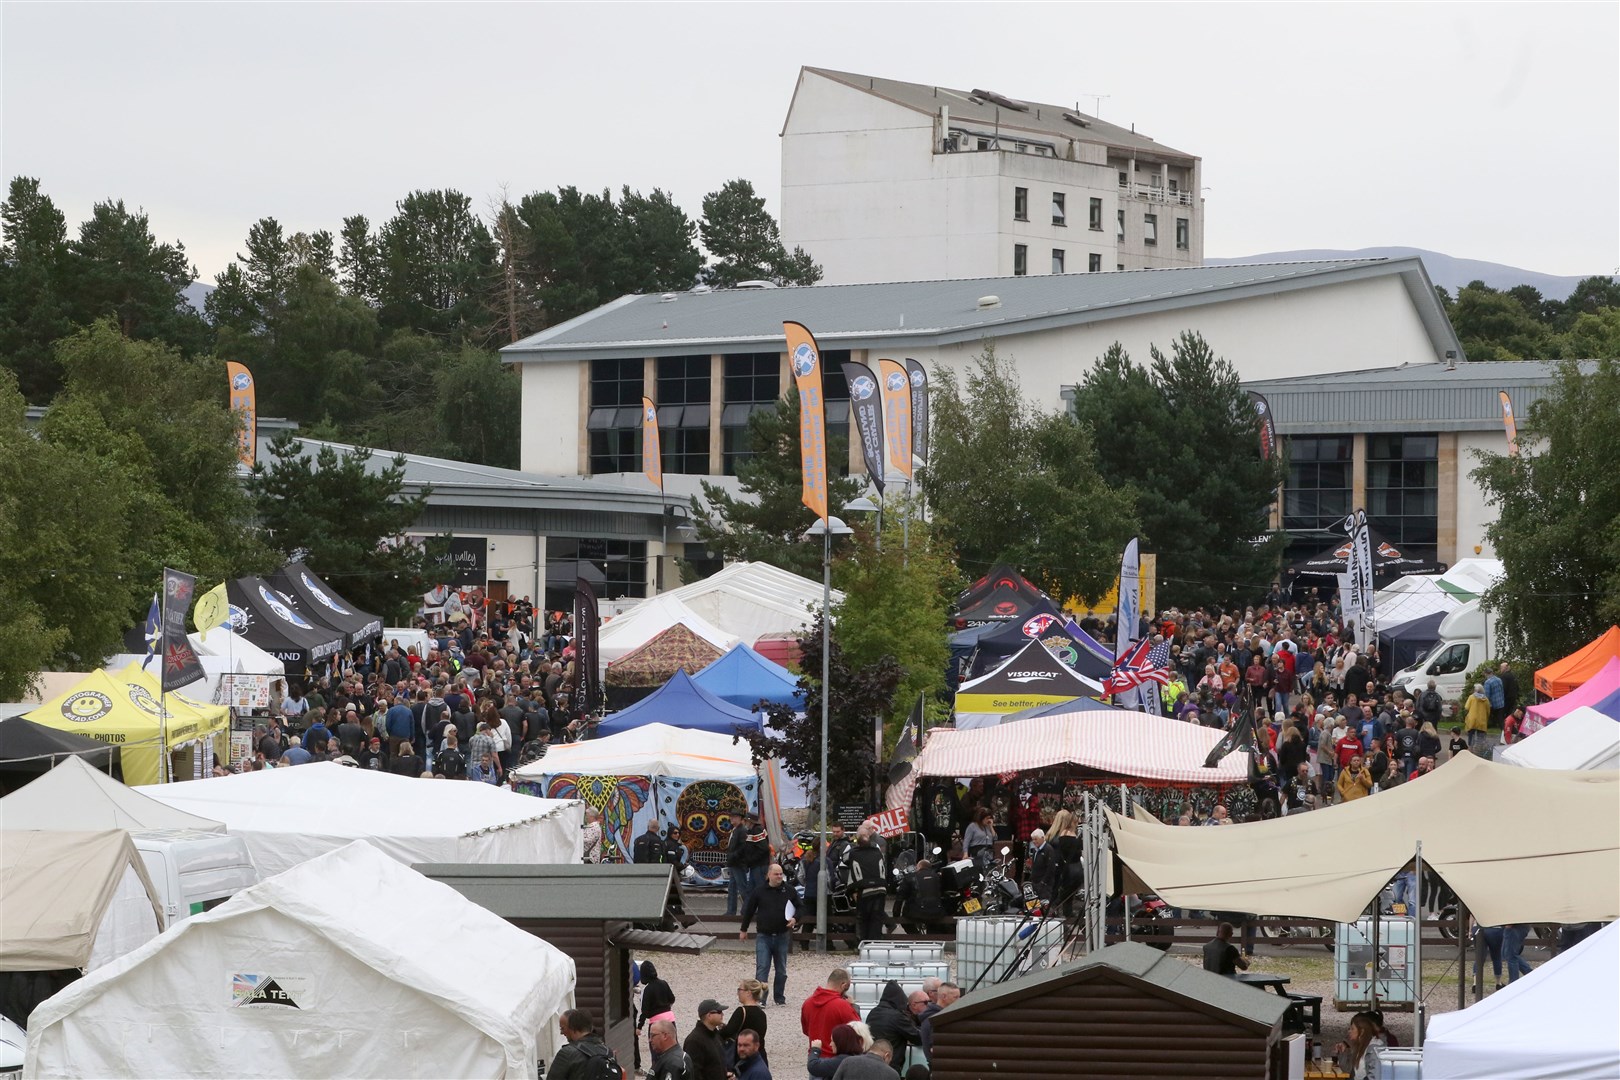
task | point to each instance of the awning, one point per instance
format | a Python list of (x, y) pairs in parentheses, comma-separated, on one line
[(319, 603), (271, 620), (1516, 845)]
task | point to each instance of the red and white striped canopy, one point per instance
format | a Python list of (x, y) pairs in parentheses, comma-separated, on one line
[(1135, 745)]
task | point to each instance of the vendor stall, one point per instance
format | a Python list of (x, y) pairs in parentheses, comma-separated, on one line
[(1561, 676), (1582, 739), (1605, 681), (644, 669), (682, 703), (1049, 626), (318, 602), (1030, 678), (270, 619), (745, 678)]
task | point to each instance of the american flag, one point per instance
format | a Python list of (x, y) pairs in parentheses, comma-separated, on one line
[(1135, 667)]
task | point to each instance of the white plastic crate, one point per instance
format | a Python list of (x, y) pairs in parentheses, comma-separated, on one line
[(908, 953), (866, 992), (983, 954)]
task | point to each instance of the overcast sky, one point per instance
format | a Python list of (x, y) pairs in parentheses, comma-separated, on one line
[(1483, 131)]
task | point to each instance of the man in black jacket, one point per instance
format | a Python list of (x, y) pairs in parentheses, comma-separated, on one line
[(704, 1046), (573, 1060), (770, 902), (649, 846), (868, 880), (894, 1018)]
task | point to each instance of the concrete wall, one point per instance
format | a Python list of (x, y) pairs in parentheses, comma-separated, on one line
[(554, 412), (1473, 515)]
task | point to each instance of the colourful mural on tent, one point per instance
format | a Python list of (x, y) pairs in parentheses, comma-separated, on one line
[(626, 804), (705, 811)]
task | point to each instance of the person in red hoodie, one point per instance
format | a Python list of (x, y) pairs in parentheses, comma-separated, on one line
[(826, 1008)]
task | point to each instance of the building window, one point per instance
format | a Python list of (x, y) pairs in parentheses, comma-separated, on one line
[(1119, 266), (1121, 223), (1150, 228), (1173, 186), (1403, 491), (1057, 260), (683, 413), (984, 144), (614, 423), (753, 384), (1124, 181), (1316, 494), (1096, 215), (1059, 214), (1183, 234), (1020, 260), (1022, 148), (617, 568), (835, 403), (1020, 204), (1094, 262)]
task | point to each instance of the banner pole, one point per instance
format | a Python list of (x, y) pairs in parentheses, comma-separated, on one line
[(163, 694), (1418, 1010), (826, 663)]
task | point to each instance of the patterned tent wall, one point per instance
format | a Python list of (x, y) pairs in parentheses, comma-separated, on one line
[(638, 673), (705, 811), (626, 804)]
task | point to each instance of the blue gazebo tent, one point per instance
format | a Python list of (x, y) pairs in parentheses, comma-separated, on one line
[(744, 678), (684, 704)]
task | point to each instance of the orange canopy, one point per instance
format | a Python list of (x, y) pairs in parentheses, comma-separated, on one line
[(1561, 676)]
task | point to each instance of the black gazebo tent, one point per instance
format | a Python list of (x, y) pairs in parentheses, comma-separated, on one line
[(28, 750), (1389, 562), (1044, 623), (321, 605), (1002, 594), (271, 620)]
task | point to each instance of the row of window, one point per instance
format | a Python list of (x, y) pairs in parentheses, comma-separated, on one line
[(1150, 222), (1402, 493), (751, 382), (1059, 261)]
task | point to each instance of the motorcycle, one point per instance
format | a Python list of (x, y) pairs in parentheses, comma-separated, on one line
[(1148, 917)]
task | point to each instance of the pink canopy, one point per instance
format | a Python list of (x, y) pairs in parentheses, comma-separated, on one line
[(1590, 692)]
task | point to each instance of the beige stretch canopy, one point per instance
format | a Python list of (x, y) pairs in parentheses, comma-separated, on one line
[(1516, 845)]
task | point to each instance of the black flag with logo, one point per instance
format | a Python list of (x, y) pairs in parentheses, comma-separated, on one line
[(587, 675), (919, 410), (866, 407), (1240, 736), (1268, 425), (180, 664), (905, 751)]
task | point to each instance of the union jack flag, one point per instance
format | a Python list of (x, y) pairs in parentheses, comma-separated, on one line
[(1135, 667)]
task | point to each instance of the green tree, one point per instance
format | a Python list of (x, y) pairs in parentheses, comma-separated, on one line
[(766, 522), (1557, 530), (660, 243), (477, 399), (897, 595), (1494, 325), (746, 245), (359, 261), (34, 308), (1593, 336), (575, 248), (1184, 435), (122, 272), (437, 266), (348, 515), (1010, 483)]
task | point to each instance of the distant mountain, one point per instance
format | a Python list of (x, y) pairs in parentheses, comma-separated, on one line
[(196, 294), (1443, 270)]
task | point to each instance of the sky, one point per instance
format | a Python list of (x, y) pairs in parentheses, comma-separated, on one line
[(1487, 131)]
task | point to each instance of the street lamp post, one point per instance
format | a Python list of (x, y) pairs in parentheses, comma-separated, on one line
[(826, 528)]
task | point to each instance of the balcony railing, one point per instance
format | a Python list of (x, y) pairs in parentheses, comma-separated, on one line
[(1147, 193)]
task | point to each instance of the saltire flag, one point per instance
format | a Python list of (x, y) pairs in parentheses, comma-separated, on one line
[(1127, 613), (1133, 669), (1240, 736), (897, 414), (1268, 425), (652, 461), (587, 675), (152, 632), (919, 411), (905, 751), (180, 664), (1508, 423), (867, 408), (805, 357), (242, 404)]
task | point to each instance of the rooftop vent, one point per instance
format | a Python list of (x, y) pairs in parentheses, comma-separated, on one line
[(699, 290), (989, 302), (667, 298), (760, 284), (1076, 118), (1001, 99)]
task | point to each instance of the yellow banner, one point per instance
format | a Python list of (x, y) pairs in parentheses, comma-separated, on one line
[(806, 360), (1105, 605), (212, 609), (1507, 422), (652, 461), (242, 403), (897, 414)]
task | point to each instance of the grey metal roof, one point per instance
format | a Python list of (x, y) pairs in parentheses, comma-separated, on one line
[(1409, 398), (608, 891), (461, 483), (1244, 1003), (1040, 119), (929, 314)]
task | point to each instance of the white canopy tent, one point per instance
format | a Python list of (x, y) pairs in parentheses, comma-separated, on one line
[(1557, 1023), (628, 632), (72, 899), (278, 982), (752, 599), (1410, 598), (649, 750), (1582, 738), (76, 796), (292, 814)]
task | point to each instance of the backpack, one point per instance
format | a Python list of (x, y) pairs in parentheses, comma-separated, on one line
[(600, 1064)]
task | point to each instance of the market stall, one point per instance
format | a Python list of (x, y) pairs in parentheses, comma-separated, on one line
[(682, 703), (72, 899), (1049, 626), (1031, 677), (289, 815), (270, 619), (1001, 594), (644, 669), (627, 632), (29, 750), (1561, 676), (752, 599), (321, 604), (744, 678), (1582, 739), (75, 796), (1604, 682), (276, 982)]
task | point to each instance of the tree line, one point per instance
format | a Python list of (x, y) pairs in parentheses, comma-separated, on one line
[(1521, 324)]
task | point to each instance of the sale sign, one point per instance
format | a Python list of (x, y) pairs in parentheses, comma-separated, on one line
[(890, 823)]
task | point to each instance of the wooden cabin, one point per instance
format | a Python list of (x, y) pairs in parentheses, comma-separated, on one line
[(1127, 1010), (597, 914)]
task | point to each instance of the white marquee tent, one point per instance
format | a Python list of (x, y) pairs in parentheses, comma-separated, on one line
[(72, 899), (285, 979), (292, 814), (77, 796), (628, 632), (1582, 738), (649, 750), (753, 599), (1556, 1022)]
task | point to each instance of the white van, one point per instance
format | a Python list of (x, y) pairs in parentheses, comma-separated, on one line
[(192, 870), (1467, 640)]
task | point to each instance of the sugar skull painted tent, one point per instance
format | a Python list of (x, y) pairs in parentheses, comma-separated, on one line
[(275, 982), (1028, 679)]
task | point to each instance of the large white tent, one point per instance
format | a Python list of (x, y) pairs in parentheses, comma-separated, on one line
[(752, 599), (292, 814), (76, 796), (628, 632), (1557, 1023), (72, 899), (649, 750), (349, 965), (1580, 739)]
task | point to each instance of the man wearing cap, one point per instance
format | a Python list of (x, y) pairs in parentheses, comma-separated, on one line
[(703, 1045), (371, 755)]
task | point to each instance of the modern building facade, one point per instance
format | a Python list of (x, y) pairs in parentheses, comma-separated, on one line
[(885, 180)]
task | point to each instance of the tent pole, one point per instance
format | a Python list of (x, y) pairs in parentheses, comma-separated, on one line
[(1416, 981), (1372, 985), (1462, 955), (822, 913)]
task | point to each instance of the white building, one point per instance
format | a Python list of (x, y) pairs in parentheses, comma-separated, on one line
[(888, 181)]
